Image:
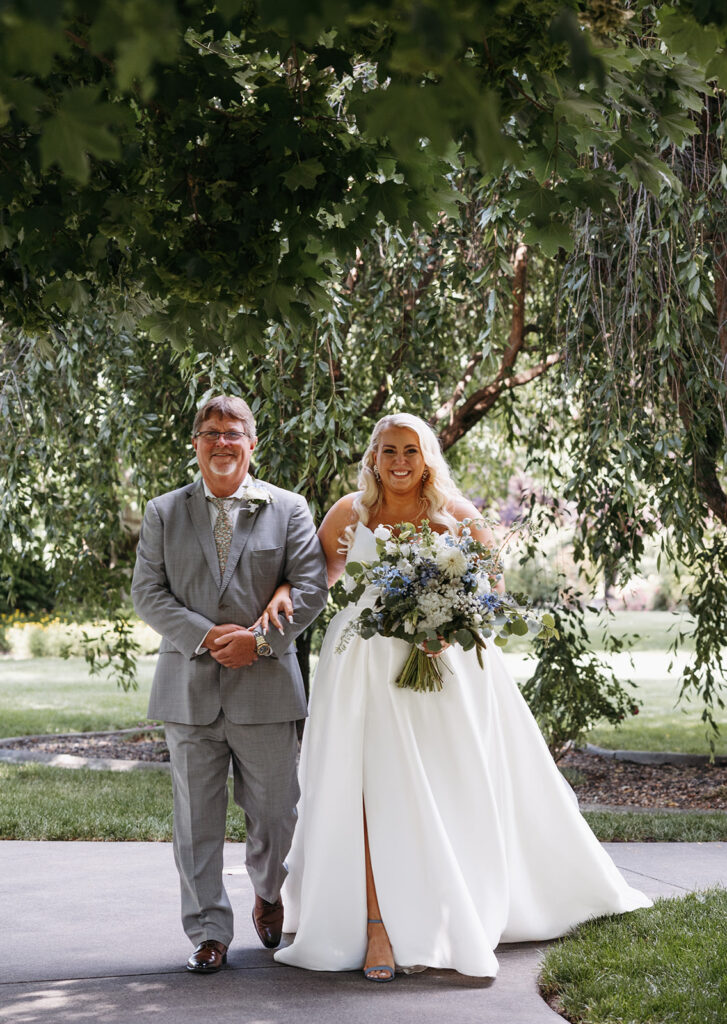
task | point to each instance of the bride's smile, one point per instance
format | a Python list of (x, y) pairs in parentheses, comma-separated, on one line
[(399, 460)]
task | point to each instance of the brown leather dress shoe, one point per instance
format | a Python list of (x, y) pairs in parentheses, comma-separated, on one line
[(268, 921), (208, 957)]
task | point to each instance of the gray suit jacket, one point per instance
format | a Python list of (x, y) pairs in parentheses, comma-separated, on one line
[(177, 589)]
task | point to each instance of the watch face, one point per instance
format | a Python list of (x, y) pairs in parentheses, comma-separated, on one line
[(263, 647)]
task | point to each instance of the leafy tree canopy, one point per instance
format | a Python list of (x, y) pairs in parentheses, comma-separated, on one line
[(207, 168)]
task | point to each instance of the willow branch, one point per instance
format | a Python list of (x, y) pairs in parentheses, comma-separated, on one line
[(705, 453), (461, 420), (382, 392), (446, 410), (479, 404)]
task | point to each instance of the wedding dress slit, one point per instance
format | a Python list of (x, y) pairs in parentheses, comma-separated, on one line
[(474, 837)]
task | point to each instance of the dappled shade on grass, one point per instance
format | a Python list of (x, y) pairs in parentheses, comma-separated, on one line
[(40, 802), (666, 963)]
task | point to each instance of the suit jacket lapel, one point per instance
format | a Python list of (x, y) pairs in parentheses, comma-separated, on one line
[(197, 506)]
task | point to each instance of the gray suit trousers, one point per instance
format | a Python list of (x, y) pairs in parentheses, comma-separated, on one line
[(265, 786)]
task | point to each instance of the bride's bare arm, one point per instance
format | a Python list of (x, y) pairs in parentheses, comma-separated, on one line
[(338, 517)]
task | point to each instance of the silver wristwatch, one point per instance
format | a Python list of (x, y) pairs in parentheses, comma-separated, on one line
[(262, 647)]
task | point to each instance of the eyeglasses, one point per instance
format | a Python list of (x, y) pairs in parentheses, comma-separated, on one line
[(215, 435)]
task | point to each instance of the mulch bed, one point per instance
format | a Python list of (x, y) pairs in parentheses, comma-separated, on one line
[(603, 780), (595, 779), (140, 747)]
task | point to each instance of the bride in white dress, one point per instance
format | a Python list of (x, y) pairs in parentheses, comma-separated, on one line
[(432, 826)]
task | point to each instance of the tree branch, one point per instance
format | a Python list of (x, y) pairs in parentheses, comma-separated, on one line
[(83, 44), (705, 453), (720, 294), (446, 410), (479, 404)]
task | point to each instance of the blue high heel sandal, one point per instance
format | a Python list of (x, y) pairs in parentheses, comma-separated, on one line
[(368, 971)]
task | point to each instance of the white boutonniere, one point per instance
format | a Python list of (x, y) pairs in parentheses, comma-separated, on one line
[(255, 495)]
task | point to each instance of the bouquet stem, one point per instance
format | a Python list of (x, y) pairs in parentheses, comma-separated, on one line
[(420, 673)]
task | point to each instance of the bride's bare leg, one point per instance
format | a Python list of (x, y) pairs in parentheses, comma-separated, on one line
[(379, 953)]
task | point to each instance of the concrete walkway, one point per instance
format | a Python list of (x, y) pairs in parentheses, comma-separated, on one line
[(92, 934)]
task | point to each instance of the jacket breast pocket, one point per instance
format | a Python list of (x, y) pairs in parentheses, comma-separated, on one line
[(267, 554), (268, 562)]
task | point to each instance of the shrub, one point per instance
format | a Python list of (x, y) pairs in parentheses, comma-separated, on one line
[(572, 689)]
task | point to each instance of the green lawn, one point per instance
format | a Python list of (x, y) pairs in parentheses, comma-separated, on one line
[(658, 826), (40, 802), (47, 695), (661, 724), (663, 964), (653, 631)]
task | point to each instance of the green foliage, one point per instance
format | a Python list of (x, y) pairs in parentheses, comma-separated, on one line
[(25, 585), (224, 161), (572, 689), (705, 674), (115, 649), (645, 454)]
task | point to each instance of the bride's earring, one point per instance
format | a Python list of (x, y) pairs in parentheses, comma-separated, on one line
[(425, 476), (377, 474)]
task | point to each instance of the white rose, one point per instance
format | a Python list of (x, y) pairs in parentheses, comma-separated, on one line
[(483, 585), (382, 533), (257, 494), (390, 547)]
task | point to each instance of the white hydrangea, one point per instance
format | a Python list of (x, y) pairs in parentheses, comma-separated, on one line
[(382, 533), (483, 585)]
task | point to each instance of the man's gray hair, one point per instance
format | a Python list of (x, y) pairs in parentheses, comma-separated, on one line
[(226, 405)]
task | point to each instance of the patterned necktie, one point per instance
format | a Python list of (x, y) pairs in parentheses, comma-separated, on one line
[(222, 531)]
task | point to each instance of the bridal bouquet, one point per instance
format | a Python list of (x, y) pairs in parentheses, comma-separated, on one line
[(432, 589)]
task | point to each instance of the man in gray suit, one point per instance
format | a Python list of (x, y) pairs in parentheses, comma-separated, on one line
[(210, 556)]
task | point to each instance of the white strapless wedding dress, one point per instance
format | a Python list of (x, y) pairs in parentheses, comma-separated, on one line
[(475, 838)]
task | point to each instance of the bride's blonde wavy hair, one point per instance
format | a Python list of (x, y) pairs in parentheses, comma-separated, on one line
[(438, 490)]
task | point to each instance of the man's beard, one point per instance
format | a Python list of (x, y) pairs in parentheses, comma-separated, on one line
[(223, 468)]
